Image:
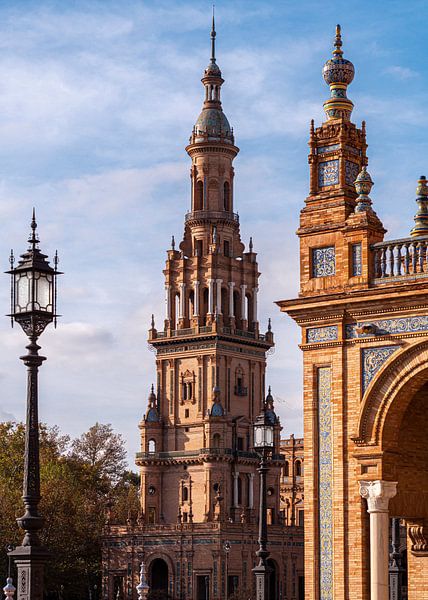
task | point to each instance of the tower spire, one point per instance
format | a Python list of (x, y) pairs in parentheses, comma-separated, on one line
[(213, 34)]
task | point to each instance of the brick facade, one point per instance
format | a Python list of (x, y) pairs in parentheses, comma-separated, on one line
[(363, 312)]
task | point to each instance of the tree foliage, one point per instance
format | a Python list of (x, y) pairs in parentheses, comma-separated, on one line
[(78, 479)]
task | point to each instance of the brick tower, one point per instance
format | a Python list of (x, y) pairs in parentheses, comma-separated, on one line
[(199, 481), (363, 312)]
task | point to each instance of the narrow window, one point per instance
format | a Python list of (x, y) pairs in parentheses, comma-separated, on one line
[(152, 446), (226, 195), (199, 196)]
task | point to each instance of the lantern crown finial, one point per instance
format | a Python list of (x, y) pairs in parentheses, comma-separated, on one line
[(34, 238)]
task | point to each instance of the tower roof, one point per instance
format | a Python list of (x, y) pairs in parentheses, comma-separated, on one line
[(338, 73), (212, 123)]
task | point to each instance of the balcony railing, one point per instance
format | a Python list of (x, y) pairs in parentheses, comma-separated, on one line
[(211, 214), (401, 258), (193, 453)]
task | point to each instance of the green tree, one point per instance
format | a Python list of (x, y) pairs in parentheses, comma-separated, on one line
[(76, 483)]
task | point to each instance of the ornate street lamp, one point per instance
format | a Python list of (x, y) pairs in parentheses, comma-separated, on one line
[(33, 306), (263, 445)]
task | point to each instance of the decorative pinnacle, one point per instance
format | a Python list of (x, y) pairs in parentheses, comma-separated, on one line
[(338, 52), (153, 324), (363, 185), (251, 244), (213, 34), (269, 324), (173, 243), (421, 217)]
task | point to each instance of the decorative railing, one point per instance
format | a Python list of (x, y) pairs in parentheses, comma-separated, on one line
[(182, 332), (211, 214), (401, 258), (213, 451)]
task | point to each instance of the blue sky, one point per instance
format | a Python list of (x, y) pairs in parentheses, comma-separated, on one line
[(97, 101)]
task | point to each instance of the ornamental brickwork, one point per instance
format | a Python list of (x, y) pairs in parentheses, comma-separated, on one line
[(363, 313)]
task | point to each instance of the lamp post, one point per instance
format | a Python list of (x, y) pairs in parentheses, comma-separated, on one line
[(33, 306), (263, 445)]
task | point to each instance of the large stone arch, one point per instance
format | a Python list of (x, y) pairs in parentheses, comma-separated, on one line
[(389, 395), (162, 556)]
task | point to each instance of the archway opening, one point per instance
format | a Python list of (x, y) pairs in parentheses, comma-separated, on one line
[(273, 580), (406, 458), (159, 576)]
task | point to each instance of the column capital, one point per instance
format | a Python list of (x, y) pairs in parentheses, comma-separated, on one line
[(378, 494), (243, 286), (231, 284), (196, 282), (236, 474), (219, 280), (251, 475)]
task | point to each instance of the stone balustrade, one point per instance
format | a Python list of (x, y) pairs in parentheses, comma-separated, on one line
[(203, 215), (403, 258)]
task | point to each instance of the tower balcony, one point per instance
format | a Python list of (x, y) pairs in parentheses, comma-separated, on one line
[(210, 215)]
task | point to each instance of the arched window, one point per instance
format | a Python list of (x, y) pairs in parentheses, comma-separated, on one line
[(298, 468), (224, 303), (286, 469), (226, 196), (199, 196), (216, 440), (152, 446), (185, 494), (191, 303), (236, 304)]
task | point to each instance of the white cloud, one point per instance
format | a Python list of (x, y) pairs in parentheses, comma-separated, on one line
[(402, 73)]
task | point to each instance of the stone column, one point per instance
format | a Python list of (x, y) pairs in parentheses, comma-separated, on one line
[(218, 307), (168, 302), (196, 299), (251, 491), (210, 296), (231, 311), (235, 489), (378, 495), (182, 305), (244, 315)]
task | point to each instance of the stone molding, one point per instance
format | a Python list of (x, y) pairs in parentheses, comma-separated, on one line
[(378, 494), (418, 534)]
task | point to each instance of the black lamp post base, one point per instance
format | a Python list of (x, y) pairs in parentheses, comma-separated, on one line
[(261, 572), (30, 563)]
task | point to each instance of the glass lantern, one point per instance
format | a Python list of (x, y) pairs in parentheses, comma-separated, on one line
[(263, 433), (33, 287)]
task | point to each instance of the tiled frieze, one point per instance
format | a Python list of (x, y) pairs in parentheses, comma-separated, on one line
[(315, 335), (372, 360), (324, 149), (328, 173), (351, 171), (323, 261), (389, 326), (325, 478)]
